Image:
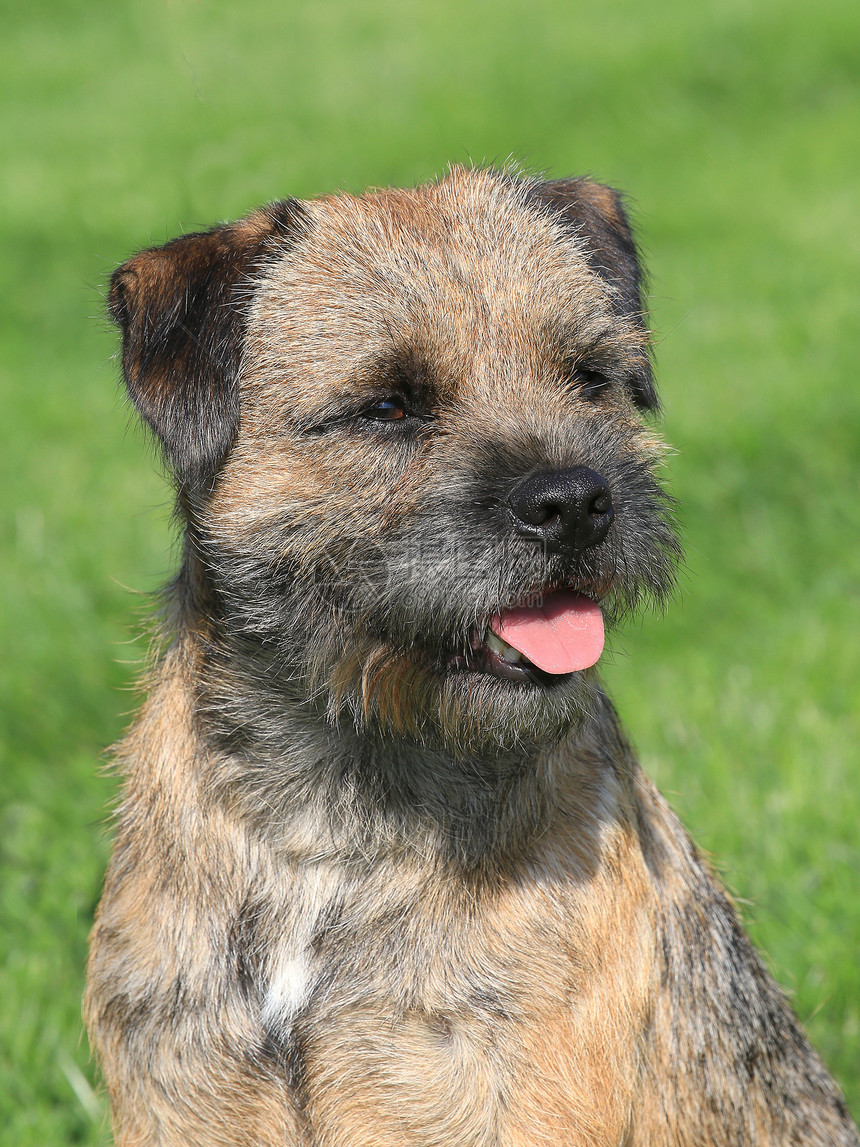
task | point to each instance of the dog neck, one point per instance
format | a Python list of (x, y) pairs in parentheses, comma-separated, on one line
[(314, 784)]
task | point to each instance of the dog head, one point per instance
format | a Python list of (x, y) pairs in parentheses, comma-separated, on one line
[(408, 437)]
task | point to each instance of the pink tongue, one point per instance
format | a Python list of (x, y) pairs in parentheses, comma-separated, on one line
[(561, 636)]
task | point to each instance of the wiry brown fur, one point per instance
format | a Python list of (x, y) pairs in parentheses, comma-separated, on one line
[(361, 893)]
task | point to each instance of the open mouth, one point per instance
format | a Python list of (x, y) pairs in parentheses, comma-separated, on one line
[(542, 643)]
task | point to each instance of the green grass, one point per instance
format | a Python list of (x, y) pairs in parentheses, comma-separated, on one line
[(733, 125)]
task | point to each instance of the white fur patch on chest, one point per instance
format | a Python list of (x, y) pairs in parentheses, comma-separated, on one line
[(291, 980), (292, 967)]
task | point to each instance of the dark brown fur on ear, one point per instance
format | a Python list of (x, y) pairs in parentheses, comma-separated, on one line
[(182, 315), (597, 215)]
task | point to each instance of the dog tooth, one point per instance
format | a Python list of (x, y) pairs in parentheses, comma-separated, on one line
[(502, 649), (496, 643)]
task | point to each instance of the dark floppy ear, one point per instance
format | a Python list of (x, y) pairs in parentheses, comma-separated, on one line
[(597, 215), (181, 309)]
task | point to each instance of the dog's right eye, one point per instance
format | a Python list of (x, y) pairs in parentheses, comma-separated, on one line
[(389, 410)]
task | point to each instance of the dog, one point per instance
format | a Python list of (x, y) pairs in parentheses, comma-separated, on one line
[(386, 871)]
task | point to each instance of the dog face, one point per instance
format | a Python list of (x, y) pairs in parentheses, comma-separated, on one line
[(400, 423)]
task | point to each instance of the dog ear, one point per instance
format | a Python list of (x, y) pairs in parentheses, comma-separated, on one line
[(597, 215), (181, 310)]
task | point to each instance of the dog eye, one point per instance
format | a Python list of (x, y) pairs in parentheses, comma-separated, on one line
[(590, 383), (389, 410)]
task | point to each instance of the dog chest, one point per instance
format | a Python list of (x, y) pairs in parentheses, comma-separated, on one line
[(407, 1006)]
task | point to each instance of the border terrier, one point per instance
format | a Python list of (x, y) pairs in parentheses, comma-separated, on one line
[(386, 871)]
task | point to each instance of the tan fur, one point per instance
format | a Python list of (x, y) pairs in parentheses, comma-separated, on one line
[(359, 898)]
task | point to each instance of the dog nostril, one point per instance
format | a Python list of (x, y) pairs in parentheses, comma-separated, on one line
[(534, 511), (545, 515), (601, 504)]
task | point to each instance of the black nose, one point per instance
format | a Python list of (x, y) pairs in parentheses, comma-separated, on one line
[(563, 509)]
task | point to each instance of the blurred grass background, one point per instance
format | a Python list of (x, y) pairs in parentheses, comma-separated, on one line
[(734, 126)]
